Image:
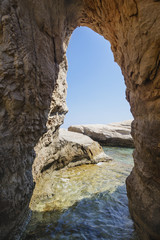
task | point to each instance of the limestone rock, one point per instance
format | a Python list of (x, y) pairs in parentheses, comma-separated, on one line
[(81, 149), (33, 40), (115, 134), (71, 149)]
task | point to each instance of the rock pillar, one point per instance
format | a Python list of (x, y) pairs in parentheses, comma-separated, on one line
[(133, 29), (33, 40)]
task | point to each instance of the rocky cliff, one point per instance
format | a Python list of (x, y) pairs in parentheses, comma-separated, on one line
[(33, 41)]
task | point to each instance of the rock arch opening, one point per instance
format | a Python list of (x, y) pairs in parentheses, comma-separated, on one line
[(33, 37), (87, 191), (96, 89)]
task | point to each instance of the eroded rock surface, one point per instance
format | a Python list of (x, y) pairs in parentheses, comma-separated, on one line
[(81, 149), (115, 134), (70, 149), (33, 41)]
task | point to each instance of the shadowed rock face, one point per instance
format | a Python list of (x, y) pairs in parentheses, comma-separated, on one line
[(33, 41)]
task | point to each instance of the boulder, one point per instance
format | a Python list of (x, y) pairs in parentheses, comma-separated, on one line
[(115, 134), (71, 149), (81, 149)]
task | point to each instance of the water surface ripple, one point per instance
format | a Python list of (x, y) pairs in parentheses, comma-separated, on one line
[(88, 202)]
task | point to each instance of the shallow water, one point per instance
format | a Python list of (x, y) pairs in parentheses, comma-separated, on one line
[(88, 202)]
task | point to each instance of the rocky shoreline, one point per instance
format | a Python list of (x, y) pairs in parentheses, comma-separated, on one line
[(79, 145), (114, 134), (81, 149), (70, 149), (34, 39)]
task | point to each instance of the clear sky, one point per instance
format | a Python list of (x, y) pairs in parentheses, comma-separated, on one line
[(96, 90)]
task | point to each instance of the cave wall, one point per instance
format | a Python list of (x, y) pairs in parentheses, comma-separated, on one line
[(133, 29), (33, 41)]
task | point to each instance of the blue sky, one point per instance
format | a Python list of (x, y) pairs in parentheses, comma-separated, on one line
[(96, 90)]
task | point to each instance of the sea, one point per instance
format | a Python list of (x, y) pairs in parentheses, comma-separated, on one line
[(87, 202)]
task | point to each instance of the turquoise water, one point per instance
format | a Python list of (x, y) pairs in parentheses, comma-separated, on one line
[(88, 202)]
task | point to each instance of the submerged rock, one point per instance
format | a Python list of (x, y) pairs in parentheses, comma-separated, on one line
[(115, 134), (71, 149), (68, 197)]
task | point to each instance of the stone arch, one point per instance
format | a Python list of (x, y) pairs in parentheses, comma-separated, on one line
[(33, 40)]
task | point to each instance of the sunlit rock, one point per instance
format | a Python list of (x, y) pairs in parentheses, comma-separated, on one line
[(115, 134), (70, 149), (33, 40), (91, 194)]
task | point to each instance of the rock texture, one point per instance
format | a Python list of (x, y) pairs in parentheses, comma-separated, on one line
[(115, 134), (81, 149), (70, 149), (33, 41)]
